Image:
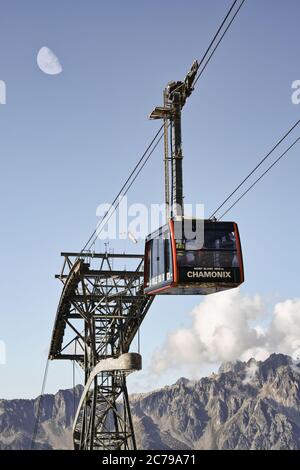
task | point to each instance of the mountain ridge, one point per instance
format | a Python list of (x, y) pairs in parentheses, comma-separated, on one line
[(246, 405)]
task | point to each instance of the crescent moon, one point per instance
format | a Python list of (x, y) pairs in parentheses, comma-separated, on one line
[(48, 62)]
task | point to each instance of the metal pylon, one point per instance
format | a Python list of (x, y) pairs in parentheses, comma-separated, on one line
[(99, 313)]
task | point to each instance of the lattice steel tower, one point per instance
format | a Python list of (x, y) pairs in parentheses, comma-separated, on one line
[(101, 308)]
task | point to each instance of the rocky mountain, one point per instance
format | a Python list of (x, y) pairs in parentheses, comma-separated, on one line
[(252, 405), (18, 417), (246, 405)]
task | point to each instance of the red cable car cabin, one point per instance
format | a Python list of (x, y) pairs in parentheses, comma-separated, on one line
[(177, 264)]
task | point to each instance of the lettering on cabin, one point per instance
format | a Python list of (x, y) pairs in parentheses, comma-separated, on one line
[(209, 274)]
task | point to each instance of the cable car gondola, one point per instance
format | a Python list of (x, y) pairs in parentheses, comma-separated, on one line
[(179, 261), (179, 265)]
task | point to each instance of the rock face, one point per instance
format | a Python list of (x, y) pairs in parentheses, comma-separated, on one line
[(253, 405), (18, 417)]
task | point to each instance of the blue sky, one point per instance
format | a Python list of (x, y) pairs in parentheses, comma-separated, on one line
[(68, 142)]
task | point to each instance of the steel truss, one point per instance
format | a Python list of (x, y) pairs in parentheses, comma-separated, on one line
[(101, 308)]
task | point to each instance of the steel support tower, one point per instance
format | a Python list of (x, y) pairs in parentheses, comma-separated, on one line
[(101, 308)]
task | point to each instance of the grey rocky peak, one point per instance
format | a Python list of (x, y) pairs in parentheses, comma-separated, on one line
[(234, 366), (185, 382)]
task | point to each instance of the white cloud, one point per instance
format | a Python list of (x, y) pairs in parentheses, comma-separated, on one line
[(258, 353), (228, 326), (284, 333)]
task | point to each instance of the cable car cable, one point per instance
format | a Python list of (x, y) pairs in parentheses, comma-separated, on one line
[(256, 167), (261, 176), (38, 414), (120, 197), (223, 34), (90, 240), (96, 231), (215, 37)]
